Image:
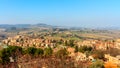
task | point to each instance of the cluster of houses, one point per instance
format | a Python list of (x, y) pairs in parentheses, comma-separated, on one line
[(78, 56), (115, 60), (100, 44), (25, 41)]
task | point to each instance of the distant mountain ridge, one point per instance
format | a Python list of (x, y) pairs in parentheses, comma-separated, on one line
[(23, 25), (16, 25), (8, 26)]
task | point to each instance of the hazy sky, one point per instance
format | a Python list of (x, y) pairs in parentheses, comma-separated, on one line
[(85, 13)]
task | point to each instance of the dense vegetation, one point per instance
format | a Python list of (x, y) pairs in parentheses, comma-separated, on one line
[(60, 57), (16, 51)]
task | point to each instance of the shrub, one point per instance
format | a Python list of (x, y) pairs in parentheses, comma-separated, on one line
[(31, 50), (99, 54), (48, 51), (4, 54), (71, 43), (76, 48), (39, 52), (61, 53), (84, 49), (11, 51), (97, 64)]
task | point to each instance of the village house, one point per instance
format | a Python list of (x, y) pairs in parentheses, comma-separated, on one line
[(71, 51), (80, 57), (115, 60)]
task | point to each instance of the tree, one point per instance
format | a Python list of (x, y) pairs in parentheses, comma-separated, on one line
[(97, 64), (76, 48), (48, 51), (31, 50), (84, 49), (61, 53), (11, 51), (71, 43), (4, 54), (99, 54), (66, 43), (39, 51)]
